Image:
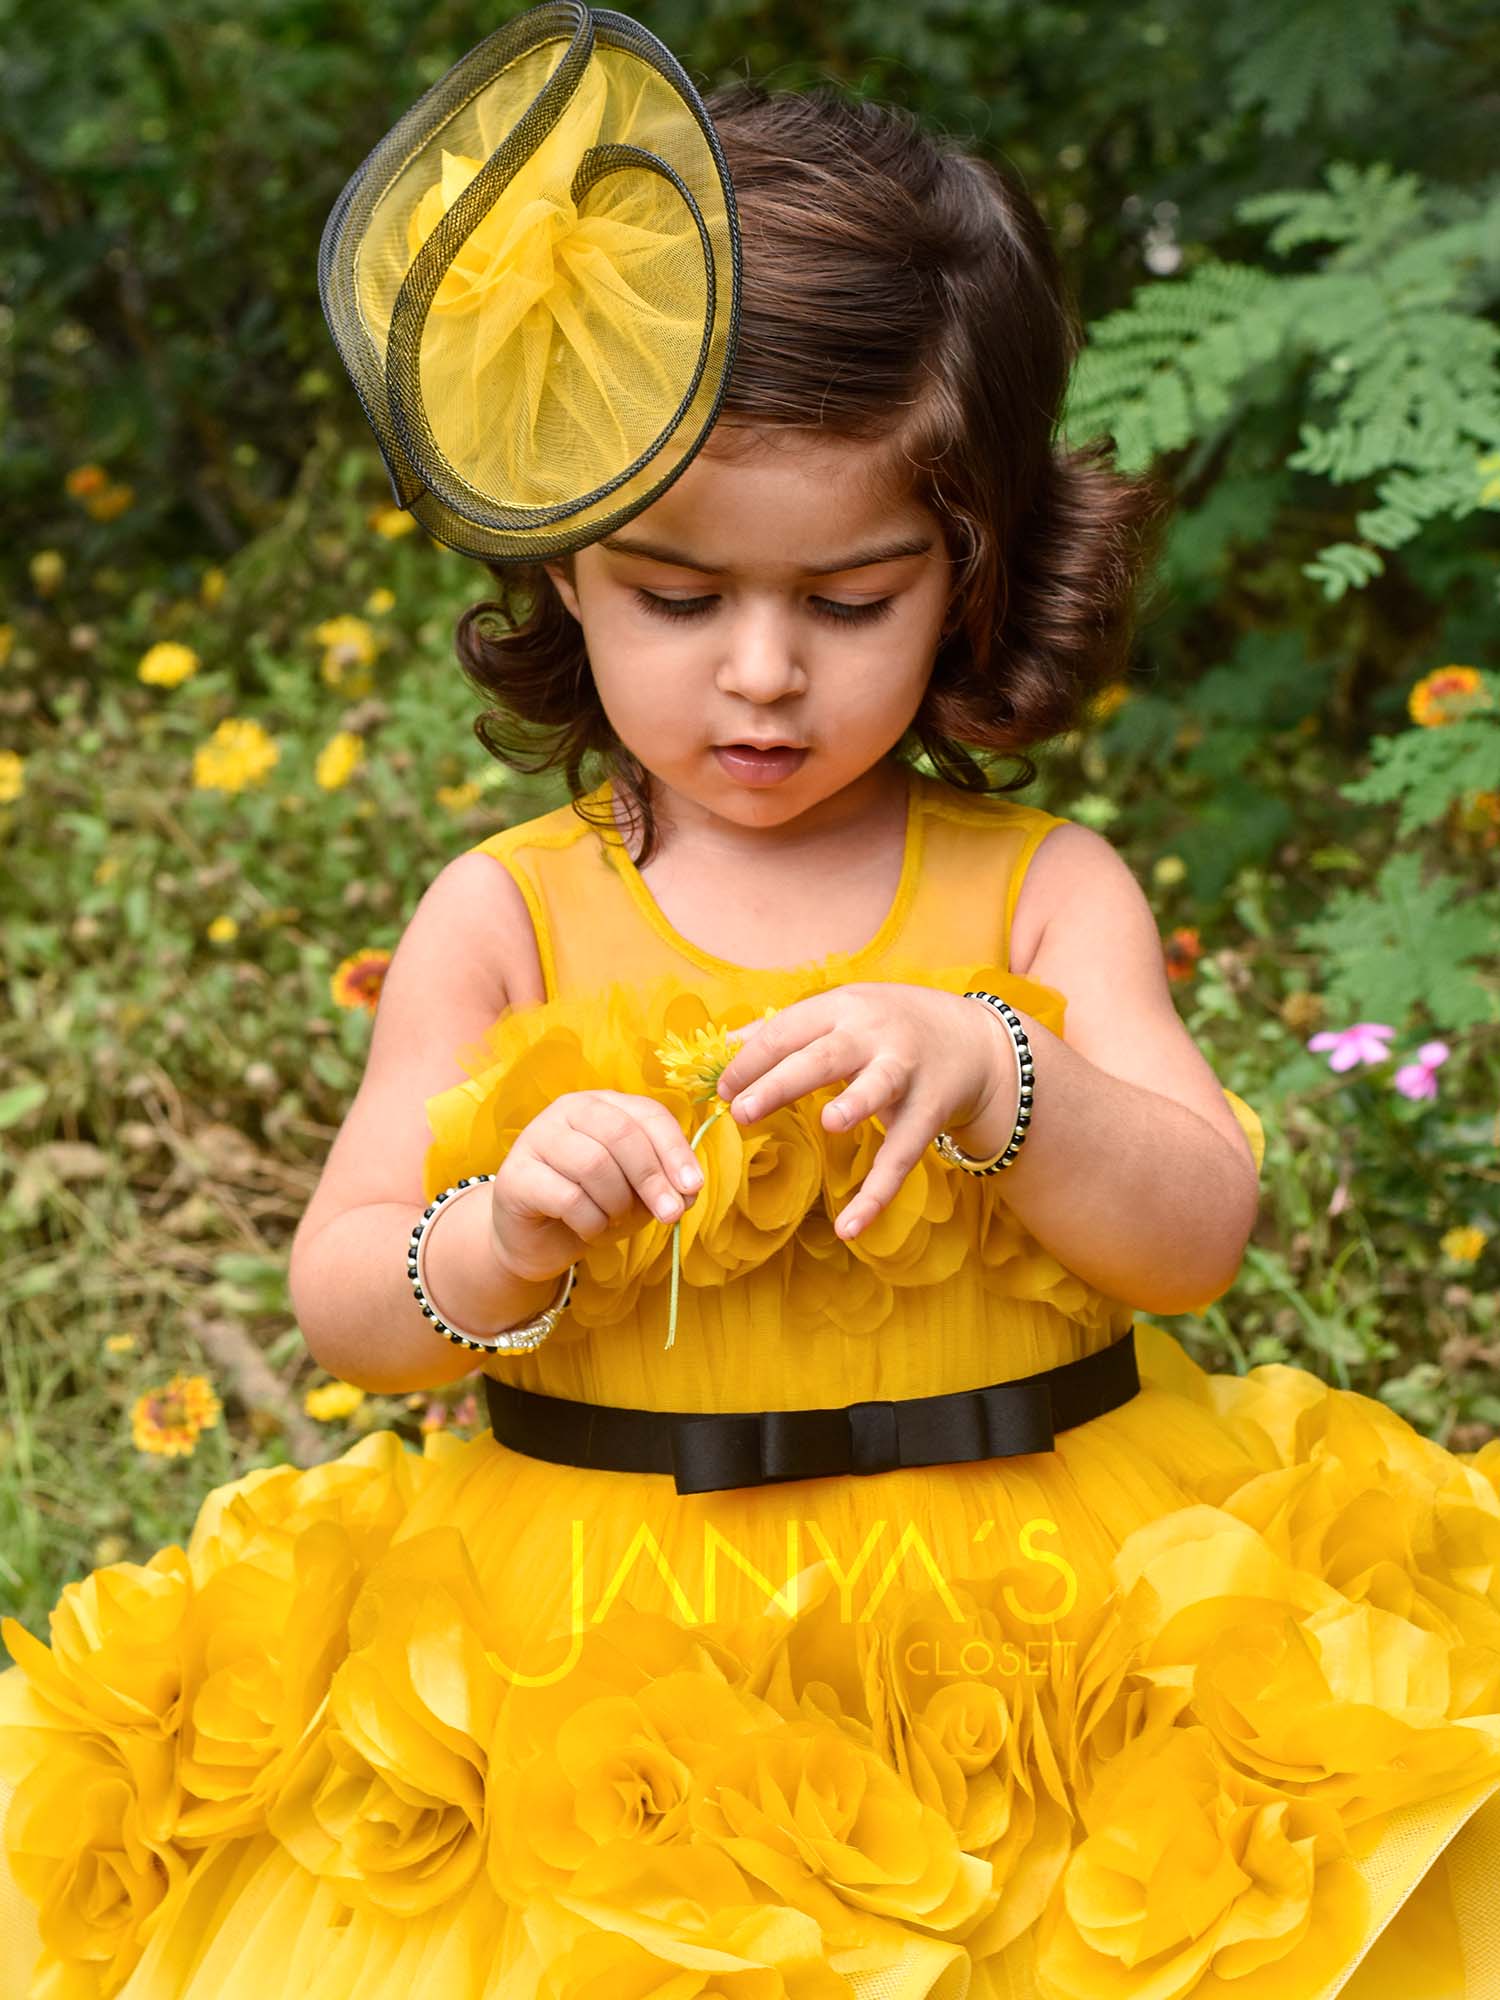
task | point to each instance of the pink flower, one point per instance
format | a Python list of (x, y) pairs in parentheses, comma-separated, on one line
[(1419, 1078), (1365, 1042)]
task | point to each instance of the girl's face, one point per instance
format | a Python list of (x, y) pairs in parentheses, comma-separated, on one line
[(773, 592)]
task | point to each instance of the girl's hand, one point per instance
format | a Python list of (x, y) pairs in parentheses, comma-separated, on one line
[(595, 1164), (927, 1060)]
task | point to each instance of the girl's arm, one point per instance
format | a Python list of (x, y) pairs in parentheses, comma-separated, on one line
[(1135, 1173)]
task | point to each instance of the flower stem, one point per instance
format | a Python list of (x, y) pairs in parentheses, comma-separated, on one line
[(677, 1228)]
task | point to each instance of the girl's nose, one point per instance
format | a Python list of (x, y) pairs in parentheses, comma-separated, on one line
[(761, 657)]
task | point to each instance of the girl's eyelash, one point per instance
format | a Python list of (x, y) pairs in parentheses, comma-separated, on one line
[(837, 614)]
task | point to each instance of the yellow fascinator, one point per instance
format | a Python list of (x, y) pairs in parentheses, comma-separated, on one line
[(534, 283)]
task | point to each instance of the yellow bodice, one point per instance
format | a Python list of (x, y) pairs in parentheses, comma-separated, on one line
[(943, 1290)]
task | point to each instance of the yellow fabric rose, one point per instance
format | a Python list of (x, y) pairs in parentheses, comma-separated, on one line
[(831, 1829), (1328, 1699), (766, 1184), (387, 1800), (685, 1920), (77, 1843), (1192, 1871)]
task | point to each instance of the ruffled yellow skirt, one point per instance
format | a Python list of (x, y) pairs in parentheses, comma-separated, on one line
[(1206, 1701)]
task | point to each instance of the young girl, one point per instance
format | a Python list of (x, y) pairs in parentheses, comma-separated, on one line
[(853, 1596)]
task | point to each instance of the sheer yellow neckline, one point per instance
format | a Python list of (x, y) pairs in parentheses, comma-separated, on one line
[(890, 925)]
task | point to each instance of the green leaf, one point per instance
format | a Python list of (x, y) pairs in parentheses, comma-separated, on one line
[(1429, 770)]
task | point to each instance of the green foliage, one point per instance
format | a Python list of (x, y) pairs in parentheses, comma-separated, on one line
[(1429, 770)]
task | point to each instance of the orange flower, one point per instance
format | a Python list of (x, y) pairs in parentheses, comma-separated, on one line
[(1447, 694), (1182, 953), (85, 479), (167, 1421), (357, 979)]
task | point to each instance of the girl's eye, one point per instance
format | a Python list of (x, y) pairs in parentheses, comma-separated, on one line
[(698, 607)]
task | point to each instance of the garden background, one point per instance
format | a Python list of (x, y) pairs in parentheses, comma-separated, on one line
[(237, 744)]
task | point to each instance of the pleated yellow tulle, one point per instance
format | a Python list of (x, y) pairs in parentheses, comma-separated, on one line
[(1204, 1701)]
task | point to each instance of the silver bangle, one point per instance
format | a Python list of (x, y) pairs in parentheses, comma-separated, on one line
[(1024, 1077), (514, 1339)]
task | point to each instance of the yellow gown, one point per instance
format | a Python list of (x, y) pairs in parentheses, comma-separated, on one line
[(1205, 1700)]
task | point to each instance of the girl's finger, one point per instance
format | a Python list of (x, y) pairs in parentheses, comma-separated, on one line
[(831, 1057), (879, 1083), (760, 1043), (907, 1137)]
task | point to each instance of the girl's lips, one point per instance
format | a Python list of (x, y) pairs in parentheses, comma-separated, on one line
[(758, 767)]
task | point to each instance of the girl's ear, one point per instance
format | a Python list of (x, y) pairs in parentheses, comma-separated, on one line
[(563, 585)]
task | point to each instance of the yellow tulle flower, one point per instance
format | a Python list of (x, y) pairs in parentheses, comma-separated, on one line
[(238, 754), (167, 664)]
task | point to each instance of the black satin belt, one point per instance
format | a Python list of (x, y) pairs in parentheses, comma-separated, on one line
[(705, 1453)]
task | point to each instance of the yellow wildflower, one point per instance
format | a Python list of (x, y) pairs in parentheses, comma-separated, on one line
[(167, 664), (167, 1421), (1107, 700), (1464, 1245), (7, 643), (111, 503), (223, 930), (86, 479), (211, 586), (12, 776), (1447, 694), (696, 1062), (458, 798), (339, 758), (1169, 871), (239, 753), (120, 1343), (332, 1400), (391, 522), (380, 601), (357, 979), (47, 570), (349, 651)]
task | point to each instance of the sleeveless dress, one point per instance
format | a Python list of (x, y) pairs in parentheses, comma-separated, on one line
[(1203, 1701)]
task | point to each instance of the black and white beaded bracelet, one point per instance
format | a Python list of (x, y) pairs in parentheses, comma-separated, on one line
[(514, 1339), (1024, 1075)]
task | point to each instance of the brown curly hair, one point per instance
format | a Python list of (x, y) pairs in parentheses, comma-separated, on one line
[(886, 269)]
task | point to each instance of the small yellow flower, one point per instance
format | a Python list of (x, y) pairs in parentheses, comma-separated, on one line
[(239, 753), (121, 1343), (223, 930), (47, 570), (7, 643), (167, 664), (380, 601), (111, 503), (86, 479), (338, 760), (1169, 871), (167, 1421), (349, 651), (357, 980), (1107, 700), (332, 1400), (107, 870), (1464, 1245), (696, 1062), (12, 776), (211, 586), (458, 798), (1447, 694), (391, 522)]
